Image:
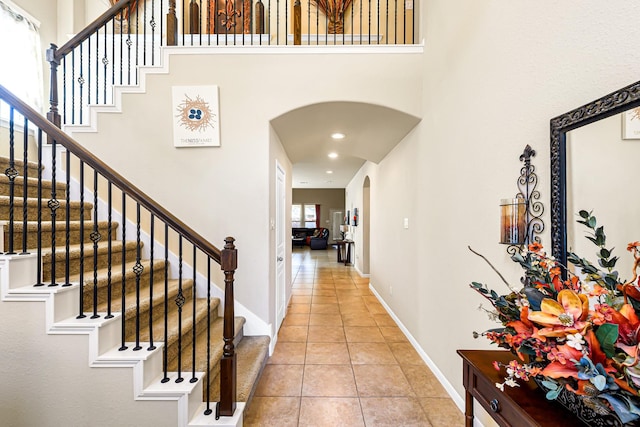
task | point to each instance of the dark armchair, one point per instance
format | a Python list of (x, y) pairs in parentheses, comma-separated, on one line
[(319, 240)]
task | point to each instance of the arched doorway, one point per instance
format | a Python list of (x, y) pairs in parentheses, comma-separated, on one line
[(366, 226)]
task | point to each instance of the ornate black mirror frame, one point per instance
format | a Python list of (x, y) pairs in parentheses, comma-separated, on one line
[(609, 105)]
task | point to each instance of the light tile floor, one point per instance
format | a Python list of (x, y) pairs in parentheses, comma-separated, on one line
[(342, 361)]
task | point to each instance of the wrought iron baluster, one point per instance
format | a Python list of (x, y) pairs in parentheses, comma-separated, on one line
[(129, 42), (25, 178), (109, 247), (369, 31), (64, 90), (151, 281), (180, 300), (73, 87), (113, 55), (395, 19), (124, 270), (53, 205), (137, 41), (81, 314), (152, 24), (166, 303), (144, 33), (81, 82), (208, 411), (138, 269), (377, 22), (105, 63), (11, 173), (97, 66), (193, 328), (95, 238), (67, 219), (39, 281)]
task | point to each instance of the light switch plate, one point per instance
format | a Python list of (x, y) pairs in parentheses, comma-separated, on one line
[(406, 223)]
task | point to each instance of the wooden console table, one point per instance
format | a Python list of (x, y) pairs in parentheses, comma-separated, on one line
[(344, 251), (516, 406)]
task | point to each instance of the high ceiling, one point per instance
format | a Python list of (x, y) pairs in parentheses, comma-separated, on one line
[(371, 132)]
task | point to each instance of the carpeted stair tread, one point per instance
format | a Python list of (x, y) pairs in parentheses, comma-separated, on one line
[(217, 345), (45, 212), (32, 187), (60, 232), (18, 164), (116, 280), (145, 299), (87, 255), (171, 342)]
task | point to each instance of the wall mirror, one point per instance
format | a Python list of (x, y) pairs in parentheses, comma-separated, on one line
[(594, 168)]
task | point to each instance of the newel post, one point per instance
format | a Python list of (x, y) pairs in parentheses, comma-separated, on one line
[(194, 18), (172, 24), (53, 116), (229, 264), (297, 23)]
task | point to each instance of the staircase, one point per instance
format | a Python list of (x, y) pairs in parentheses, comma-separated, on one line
[(156, 313)]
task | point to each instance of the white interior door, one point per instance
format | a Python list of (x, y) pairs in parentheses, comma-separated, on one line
[(280, 246)]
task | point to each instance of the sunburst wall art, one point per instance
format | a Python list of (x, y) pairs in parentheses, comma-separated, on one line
[(196, 117)]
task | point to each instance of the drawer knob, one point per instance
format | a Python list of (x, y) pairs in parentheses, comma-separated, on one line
[(495, 405)]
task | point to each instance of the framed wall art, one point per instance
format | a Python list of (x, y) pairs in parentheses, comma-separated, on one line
[(196, 116)]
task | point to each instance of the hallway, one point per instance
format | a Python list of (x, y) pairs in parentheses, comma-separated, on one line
[(341, 360)]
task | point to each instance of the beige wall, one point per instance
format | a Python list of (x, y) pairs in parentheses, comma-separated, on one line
[(495, 73), (327, 198)]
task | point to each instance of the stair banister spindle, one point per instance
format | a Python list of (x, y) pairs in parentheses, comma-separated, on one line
[(208, 384), (25, 178), (11, 174), (67, 217), (81, 314), (53, 205), (193, 330), (124, 269), (180, 300), (166, 302), (151, 282), (228, 369), (137, 269), (95, 238), (39, 281), (109, 247)]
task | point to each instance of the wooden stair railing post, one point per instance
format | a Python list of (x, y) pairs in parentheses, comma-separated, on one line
[(229, 264), (297, 23), (259, 17), (172, 24), (194, 17), (53, 116)]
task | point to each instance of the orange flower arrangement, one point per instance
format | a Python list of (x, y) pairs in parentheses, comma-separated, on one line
[(578, 335)]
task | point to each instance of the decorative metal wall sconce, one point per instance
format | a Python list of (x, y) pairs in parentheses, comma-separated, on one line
[(521, 217)]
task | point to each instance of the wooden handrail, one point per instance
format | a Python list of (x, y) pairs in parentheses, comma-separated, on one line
[(114, 177), (91, 28)]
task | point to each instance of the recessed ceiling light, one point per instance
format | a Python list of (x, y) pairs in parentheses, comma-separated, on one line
[(338, 135), (333, 155), (329, 172)]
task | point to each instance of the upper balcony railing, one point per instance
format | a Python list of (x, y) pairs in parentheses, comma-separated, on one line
[(130, 34), (306, 22)]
